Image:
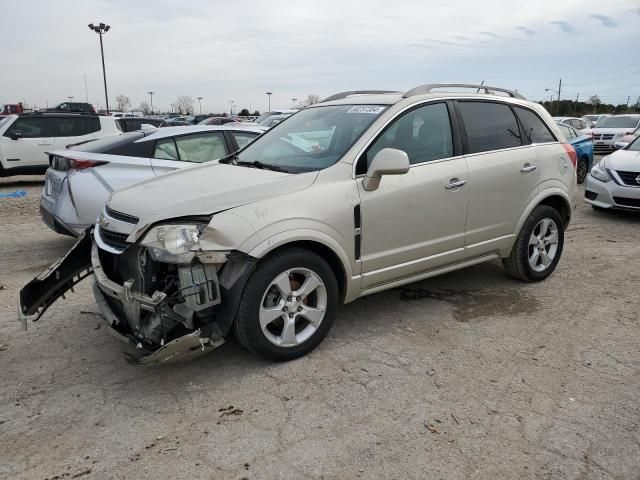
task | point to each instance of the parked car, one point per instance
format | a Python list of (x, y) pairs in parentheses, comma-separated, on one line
[(80, 180), (270, 241), (272, 113), (622, 140), (25, 139), (130, 124), (195, 119), (73, 107), (594, 119), (608, 127), (583, 126), (614, 183), (217, 121), (583, 146), (273, 120)]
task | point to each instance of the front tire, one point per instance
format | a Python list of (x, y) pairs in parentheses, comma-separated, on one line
[(288, 305), (539, 245)]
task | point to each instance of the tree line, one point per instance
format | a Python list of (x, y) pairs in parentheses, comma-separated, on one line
[(571, 108)]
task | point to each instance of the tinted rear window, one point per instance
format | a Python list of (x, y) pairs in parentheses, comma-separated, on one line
[(489, 126), (535, 129)]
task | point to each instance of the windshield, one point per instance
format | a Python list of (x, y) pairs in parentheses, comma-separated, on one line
[(312, 139), (618, 122), (3, 120), (266, 115), (635, 145)]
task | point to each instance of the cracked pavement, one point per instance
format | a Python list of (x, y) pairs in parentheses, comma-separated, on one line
[(468, 375)]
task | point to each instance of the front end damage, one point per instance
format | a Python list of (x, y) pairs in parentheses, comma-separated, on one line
[(170, 311)]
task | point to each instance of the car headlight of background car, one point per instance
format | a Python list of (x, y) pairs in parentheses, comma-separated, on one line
[(599, 172), (172, 243)]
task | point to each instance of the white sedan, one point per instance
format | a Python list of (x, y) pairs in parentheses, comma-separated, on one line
[(80, 180), (614, 183)]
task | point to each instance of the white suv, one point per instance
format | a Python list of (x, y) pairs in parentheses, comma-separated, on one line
[(360, 193), (25, 139)]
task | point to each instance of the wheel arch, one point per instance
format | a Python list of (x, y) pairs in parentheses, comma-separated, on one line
[(319, 243), (554, 198)]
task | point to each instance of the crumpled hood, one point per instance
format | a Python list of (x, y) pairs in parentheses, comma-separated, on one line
[(623, 160), (204, 190)]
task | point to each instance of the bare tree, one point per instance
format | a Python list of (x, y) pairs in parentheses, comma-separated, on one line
[(184, 104), (123, 103), (312, 99), (594, 100), (145, 108)]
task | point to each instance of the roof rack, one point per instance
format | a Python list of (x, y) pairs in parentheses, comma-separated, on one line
[(47, 112), (341, 95), (429, 87)]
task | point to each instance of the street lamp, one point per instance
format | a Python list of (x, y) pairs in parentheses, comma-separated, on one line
[(269, 96), (231, 104), (151, 93), (294, 102), (70, 98), (200, 104), (101, 29)]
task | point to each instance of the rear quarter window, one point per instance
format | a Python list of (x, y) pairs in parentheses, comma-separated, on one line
[(535, 130)]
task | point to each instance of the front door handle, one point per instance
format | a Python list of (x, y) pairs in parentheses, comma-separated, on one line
[(528, 168), (454, 183), (44, 144)]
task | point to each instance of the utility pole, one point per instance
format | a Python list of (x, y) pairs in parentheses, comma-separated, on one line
[(200, 104), (559, 90), (628, 100), (294, 102), (575, 110)]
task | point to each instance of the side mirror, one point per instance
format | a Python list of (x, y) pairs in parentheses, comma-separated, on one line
[(15, 135), (388, 161)]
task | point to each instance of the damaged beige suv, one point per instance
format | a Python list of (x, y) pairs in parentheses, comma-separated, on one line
[(360, 193)]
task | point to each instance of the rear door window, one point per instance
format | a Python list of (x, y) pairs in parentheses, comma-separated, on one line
[(489, 126), (535, 130), (201, 147), (76, 126), (166, 150)]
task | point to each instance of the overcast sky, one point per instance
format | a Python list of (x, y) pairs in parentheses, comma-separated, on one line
[(239, 49)]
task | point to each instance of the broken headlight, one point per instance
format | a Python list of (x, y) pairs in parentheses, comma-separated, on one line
[(172, 243)]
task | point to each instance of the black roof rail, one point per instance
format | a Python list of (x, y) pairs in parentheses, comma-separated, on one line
[(338, 96), (44, 112), (429, 87)]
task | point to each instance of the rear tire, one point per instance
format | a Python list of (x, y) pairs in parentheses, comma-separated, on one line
[(582, 170), (288, 305), (539, 245)]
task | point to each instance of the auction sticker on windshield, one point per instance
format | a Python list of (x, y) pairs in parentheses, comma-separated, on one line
[(374, 109)]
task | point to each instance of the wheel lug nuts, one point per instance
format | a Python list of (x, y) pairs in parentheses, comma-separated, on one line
[(299, 309), (291, 315), (297, 299), (284, 309), (289, 299)]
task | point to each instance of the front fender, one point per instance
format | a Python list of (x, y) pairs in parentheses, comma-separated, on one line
[(309, 235)]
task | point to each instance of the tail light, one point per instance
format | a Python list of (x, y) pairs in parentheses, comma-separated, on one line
[(573, 156), (66, 164)]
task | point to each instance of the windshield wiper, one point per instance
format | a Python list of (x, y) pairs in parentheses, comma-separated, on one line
[(262, 166), (229, 158)]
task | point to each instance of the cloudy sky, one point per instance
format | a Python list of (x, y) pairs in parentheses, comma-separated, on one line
[(237, 50)]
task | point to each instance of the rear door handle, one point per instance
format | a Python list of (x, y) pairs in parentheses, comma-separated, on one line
[(44, 144), (454, 183), (528, 168)]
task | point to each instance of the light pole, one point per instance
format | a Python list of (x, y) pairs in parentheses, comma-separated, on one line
[(70, 98), (294, 102), (151, 93), (200, 104), (101, 29), (231, 104), (269, 96)]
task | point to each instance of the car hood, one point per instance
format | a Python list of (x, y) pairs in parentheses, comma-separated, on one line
[(204, 190), (624, 160)]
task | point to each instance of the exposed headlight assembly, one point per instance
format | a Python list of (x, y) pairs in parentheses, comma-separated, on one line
[(172, 243), (600, 173)]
